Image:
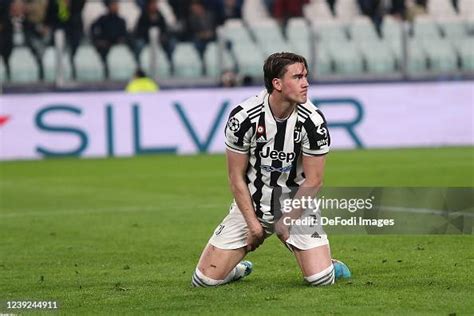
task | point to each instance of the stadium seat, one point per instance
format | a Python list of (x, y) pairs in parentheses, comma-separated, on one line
[(89, 67), (317, 10), (249, 64), (465, 51), (466, 8), (91, 12), (211, 57), (441, 55), (130, 12), (186, 61), (49, 65), (440, 8), (470, 25), (253, 10), (424, 27), (121, 63), (379, 57), (392, 32), (23, 66), (391, 29), (299, 37), (361, 29), (269, 36), (235, 33), (395, 48), (377, 53), (347, 10), (330, 31), (417, 60), (162, 64), (453, 28), (323, 62), (346, 57)]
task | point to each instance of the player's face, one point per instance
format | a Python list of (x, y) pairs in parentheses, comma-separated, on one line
[(294, 84)]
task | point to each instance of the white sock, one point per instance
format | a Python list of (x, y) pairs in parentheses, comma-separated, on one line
[(325, 277), (230, 277), (200, 280)]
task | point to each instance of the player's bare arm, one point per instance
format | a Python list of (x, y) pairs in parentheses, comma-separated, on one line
[(237, 166), (313, 167)]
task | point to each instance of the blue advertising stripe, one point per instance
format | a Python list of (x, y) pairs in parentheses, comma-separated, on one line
[(109, 130), (203, 147), (139, 150)]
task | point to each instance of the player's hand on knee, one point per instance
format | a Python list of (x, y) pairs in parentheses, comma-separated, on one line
[(282, 230), (255, 237)]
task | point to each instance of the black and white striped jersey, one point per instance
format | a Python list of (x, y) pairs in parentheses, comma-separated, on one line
[(275, 149)]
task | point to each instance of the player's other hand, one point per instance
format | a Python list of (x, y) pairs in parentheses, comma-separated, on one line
[(255, 236), (282, 230)]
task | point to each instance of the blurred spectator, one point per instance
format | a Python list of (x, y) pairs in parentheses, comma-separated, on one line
[(228, 79), (108, 30), (397, 9), (37, 33), (15, 30), (414, 8), (247, 81), (36, 13), (180, 8), (202, 28), (332, 6), (224, 9), (152, 17), (455, 5), (141, 83), (66, 15), (6, 33), (374, 9), (269, 5), (286, 9), (141, 4)]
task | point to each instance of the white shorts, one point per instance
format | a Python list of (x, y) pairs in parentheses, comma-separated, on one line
[(232, 232)]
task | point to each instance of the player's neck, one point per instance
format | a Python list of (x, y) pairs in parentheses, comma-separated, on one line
[(281, 108)]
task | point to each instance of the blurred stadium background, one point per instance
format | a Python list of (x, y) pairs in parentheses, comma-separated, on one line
[(104, 235), (225, 41)]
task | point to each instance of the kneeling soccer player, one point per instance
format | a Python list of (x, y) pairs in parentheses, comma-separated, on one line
[(276, 144)]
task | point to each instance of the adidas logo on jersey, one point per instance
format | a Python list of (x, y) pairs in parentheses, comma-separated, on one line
[(275, 154), (261, 139)]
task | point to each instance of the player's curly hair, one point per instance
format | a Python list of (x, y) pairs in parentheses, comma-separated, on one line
[(276, 64)]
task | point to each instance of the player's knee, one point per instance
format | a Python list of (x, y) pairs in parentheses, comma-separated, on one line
[(323, 278), (200, 280)]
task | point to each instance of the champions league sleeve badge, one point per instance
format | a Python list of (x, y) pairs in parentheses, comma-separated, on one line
[(233, 124)]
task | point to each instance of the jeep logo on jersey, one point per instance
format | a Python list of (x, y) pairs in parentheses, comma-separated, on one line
[(275, 154)]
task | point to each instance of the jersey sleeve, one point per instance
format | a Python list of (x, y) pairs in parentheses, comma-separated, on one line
[(238, 131), (316, 139)]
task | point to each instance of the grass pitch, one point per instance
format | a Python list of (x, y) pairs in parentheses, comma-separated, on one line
[(124, 235)]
